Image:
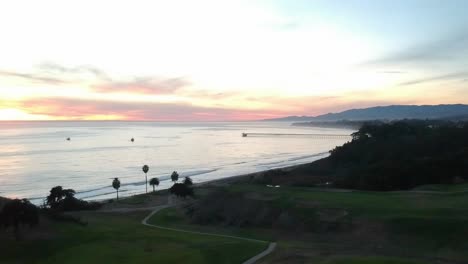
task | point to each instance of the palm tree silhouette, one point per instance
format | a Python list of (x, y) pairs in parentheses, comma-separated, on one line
[(116, 185), (145, 170), (153, 182)]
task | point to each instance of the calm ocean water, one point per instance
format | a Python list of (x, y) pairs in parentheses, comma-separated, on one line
[(35, 156)]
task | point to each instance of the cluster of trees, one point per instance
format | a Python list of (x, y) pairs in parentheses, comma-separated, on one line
[(182, 189), (178, 189), (60, 199), (402, 155), (18, 212)]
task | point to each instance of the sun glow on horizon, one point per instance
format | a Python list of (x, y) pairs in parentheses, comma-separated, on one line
[(11, 114), (235, 60)]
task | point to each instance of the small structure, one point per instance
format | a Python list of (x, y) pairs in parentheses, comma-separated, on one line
[(244, 134), (68, 139), (132, 140)]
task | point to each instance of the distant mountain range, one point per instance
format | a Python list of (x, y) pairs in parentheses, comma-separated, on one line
[(392, 112)]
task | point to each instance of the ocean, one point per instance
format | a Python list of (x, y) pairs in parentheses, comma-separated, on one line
[(35, 156)]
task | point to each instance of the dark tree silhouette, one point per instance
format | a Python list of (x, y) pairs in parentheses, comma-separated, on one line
[(145, 169), (181, 190), (57, 195), (17, 212), (116, 185), (154, 182), (61, 199), (402, 155), (175, 176), (188, 181)]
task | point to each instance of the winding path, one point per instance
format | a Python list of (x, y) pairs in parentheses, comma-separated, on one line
[(268, 250)]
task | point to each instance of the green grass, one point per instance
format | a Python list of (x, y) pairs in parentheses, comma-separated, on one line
[(175, 218), (137, 199), (120, 238), (411, 223), (368, 204), (367, 260), (463, 187)]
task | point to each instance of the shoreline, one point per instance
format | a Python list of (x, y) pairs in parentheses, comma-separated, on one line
[(220, 181), (231, 179), (216, 182)]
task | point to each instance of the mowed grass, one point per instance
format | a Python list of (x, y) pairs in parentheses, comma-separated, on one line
[(367, 260), (176, 218), (414, 224), (368, 204), (121, 238), (463, 187)]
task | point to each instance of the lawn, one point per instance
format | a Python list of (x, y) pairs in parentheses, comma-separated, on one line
[(387, 227), (367, 260), (121, 238), (463, 187), (395, 227)]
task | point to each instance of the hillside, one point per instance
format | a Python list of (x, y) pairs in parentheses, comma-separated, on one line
[(392, 112)]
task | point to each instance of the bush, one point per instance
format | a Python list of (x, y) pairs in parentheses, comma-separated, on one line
[(181, 190), (19, 212)]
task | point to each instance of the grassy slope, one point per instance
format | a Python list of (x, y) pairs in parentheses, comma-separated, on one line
[(433, 225), (121, 238), (424, 226), (367, 260), (444, 187)]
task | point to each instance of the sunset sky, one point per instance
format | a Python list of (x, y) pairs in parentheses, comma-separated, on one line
[(227, 60)]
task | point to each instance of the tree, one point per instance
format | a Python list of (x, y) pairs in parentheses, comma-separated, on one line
[(154, 182), (57, 195), (181, 190), (17, 212), (175, 176), (401, 155), (145, 170), (116, 185), (188, 181), (61, 199)]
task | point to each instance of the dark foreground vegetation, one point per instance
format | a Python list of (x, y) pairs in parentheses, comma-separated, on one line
[(403, 155), (60, 200), (388, 156)]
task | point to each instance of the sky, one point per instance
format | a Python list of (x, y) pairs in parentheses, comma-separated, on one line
[(227, 60)]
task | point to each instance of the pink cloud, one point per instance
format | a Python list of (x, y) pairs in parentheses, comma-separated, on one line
[(81, 109), (142, 85)]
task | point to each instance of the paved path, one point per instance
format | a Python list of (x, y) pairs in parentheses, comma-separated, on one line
[(252, 260)]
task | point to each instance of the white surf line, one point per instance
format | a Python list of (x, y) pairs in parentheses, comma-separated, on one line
[(271, 245)]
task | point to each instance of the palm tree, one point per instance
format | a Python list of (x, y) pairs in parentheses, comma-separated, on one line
[(116, 185), (153, 182), (145, 170), (174, 176)]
